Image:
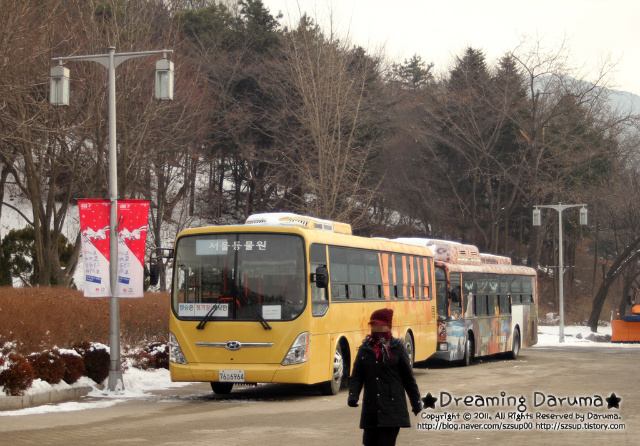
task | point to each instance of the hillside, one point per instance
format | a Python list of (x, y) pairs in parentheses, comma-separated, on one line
[(578, 295)]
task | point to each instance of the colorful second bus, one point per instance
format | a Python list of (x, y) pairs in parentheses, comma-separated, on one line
[(485, 304), (287, 299)]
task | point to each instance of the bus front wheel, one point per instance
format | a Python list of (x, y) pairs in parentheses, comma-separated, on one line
[(221, 388), (467, 359), (332, 387)]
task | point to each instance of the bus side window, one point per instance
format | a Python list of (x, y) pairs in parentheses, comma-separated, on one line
[(355, 291), (373, 276), (338, 273), (392, 288), (469, 287), (480, 305), (398, 262), (426, 280), (373, 291), (491, 304), (505, 304), (527, 289)]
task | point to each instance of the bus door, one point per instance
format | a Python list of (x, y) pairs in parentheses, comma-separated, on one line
[(455, 296), (451, 329), (456, 327), (442, 307)]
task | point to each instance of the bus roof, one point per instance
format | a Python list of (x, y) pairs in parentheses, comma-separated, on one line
[(467, 258), (447, 250), (282, 223), (290, 219), (488, 268)]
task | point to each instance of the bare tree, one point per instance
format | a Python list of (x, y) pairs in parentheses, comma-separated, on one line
[(37, 144), (619, 218), (328, 134), (568, 128)]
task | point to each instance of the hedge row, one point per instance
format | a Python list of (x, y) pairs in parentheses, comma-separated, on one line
[(17, 372)]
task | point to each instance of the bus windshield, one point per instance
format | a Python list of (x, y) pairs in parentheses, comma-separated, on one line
[(241, 276)]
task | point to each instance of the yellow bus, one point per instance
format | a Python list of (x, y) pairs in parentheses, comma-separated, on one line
[(485, 304), (285, 298)]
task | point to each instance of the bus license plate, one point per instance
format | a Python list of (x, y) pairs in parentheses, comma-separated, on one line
[(236, 376)]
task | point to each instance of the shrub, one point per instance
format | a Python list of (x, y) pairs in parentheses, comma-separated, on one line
[(152, 356), (143, 360), (96, 360), (160, 352), (74, 365), (17, 375), (47, 366)]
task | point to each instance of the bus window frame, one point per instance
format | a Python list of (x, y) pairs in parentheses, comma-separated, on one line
[(377, 288)]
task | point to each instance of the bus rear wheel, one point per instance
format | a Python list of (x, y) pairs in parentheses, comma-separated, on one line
[(221, 388), (408, 345), (515, 346), (332, 387)]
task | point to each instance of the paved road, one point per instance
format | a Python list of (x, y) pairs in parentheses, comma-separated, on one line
[(294, 415)]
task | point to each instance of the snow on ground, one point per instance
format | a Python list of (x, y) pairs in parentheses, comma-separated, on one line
[(575, 336), (140, 383)]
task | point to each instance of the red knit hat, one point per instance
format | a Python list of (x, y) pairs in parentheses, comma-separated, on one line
[(382, 317)]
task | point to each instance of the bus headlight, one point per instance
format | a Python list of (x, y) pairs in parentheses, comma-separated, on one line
[(175, 352), (299, 351)]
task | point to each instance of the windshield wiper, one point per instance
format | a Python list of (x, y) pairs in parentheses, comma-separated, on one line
[(206, 317), (261, 319)]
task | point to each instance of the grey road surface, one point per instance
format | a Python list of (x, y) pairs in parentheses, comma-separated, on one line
[(548, 396)]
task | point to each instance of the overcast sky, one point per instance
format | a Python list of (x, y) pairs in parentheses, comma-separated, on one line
[(440, 30)]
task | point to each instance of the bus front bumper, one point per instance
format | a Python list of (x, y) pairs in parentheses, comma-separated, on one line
[(253, 373)]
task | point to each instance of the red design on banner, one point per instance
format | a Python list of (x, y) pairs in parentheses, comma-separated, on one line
[(132, 236), (94, 223), (94, 226), (132, 225)]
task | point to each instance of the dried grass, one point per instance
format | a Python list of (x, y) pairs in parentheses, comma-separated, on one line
[(42, 318)]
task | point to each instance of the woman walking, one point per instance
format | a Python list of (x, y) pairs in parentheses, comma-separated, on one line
[(382, 366)]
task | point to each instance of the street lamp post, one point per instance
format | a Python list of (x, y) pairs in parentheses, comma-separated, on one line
[(583, 221), (59, 95)]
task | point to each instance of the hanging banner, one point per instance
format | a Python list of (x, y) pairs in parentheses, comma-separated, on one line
[(133, 217), (132, 237), (94, 226)]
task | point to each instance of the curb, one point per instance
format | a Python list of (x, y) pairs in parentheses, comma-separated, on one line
[(39, 399)]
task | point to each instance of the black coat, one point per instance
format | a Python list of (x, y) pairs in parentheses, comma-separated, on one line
[(384, 402)]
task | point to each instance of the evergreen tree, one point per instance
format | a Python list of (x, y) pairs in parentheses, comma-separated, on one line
[(413, 73), (470, 72)]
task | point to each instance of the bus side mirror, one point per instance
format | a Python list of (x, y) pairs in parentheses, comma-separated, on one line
[(320, 277), (154, 263), (154, 274), (455, 295)]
